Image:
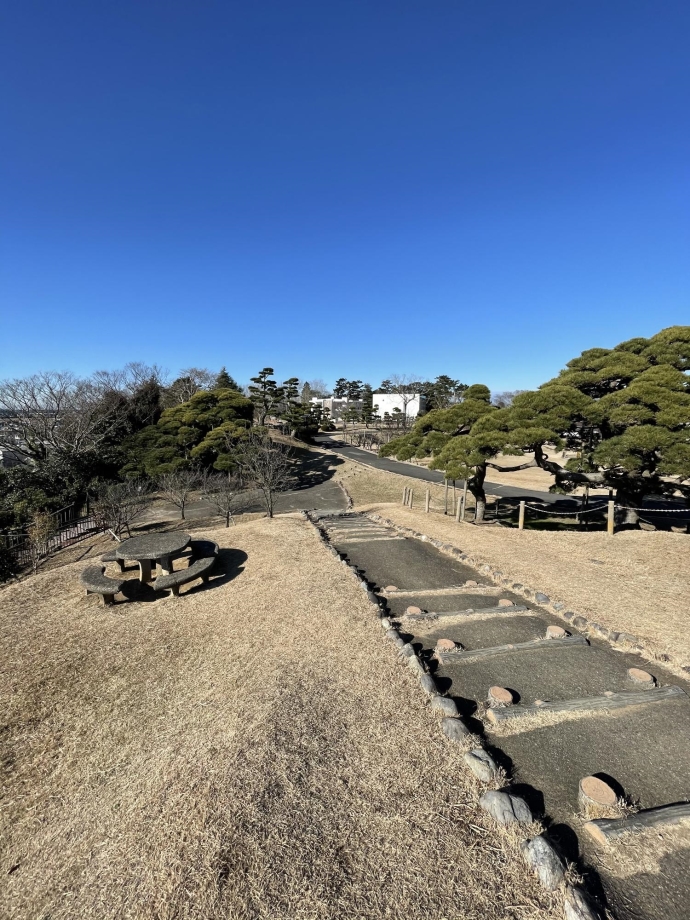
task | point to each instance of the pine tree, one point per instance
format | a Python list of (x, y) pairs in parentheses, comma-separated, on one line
[(265, 393), (369, 410), (340, 388), (225, 382)]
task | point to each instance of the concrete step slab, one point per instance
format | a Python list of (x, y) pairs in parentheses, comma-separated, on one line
[(497, 631), (570, 672), (413, 566)]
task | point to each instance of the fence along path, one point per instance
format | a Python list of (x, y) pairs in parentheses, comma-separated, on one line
[(70, 525)]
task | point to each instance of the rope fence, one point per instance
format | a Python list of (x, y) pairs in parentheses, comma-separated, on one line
[(603, 508), (607, 508)]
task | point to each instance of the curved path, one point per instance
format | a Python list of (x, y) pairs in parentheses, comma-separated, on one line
[(420, 472)]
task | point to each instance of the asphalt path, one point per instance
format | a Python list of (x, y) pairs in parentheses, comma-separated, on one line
[(420, 472)]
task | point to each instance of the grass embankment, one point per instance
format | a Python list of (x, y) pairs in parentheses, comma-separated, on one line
[(366, 485), (249, 750)]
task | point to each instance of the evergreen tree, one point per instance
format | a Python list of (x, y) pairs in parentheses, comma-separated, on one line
[(625, 411), (354, 390), (196, 432), (340, 388), (225, 382), (369, 410), (265, 393)]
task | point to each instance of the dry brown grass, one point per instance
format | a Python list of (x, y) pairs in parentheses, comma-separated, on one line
[(250, 750), (634, 582), (367, 486)]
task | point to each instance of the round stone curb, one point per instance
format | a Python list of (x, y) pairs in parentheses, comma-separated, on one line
[(444, 706), (506, 808), (428, 684), (482, 764), (454, 729), (577, 906), (544, 861)]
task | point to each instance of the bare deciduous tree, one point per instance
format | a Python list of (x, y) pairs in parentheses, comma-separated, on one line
[(265, 464), (178, 487), (132, 376), (224, 492), (407, 387), (190, 381), (57, 412), (120, 504), (505, 398)]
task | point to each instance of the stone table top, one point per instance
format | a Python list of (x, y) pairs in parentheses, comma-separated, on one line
[(153, 546)]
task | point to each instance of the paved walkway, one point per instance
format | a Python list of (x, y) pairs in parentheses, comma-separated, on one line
[(420, 472), (643, 750)]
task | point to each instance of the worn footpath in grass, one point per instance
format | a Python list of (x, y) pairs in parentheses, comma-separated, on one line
[(635, 582), (249, 750)]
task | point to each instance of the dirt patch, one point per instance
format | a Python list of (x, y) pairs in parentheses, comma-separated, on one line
[(635, 582), (249, 750)]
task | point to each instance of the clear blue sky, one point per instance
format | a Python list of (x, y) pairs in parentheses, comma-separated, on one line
[(343, 187)]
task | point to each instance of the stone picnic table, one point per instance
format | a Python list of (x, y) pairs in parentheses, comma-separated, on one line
[(155, 547)]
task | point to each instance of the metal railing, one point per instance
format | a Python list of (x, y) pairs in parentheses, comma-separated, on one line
[(70, 525)]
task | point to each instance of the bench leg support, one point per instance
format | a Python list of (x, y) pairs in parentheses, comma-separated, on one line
[(145, 570)]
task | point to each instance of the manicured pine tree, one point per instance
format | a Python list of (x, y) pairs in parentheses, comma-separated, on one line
[(265, 393)]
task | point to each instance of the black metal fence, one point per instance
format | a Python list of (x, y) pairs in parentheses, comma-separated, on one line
[(69, 525)]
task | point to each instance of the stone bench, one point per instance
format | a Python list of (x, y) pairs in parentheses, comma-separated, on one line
[(202, 549), (111, 557), (95, 582), (200, 568)]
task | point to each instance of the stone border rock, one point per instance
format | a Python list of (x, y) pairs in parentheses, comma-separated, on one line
[(348, 498), (505, 807), (621, 640)]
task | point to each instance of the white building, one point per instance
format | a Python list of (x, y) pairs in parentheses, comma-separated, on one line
[(411, 404), (337, 406)]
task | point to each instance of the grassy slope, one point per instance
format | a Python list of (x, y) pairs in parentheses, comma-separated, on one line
[(251, 750)]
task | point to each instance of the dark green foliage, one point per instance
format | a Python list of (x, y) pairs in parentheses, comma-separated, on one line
[(200, 431), (265, 393), (626, 410), (369, 411), (443, 392), (225, 382)]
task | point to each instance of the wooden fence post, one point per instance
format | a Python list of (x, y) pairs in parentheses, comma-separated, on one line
[(404, 500), (464, 502), (521, 519), (445, 498), (409, 504), (428, 501), (457, 510), (611, 519)]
